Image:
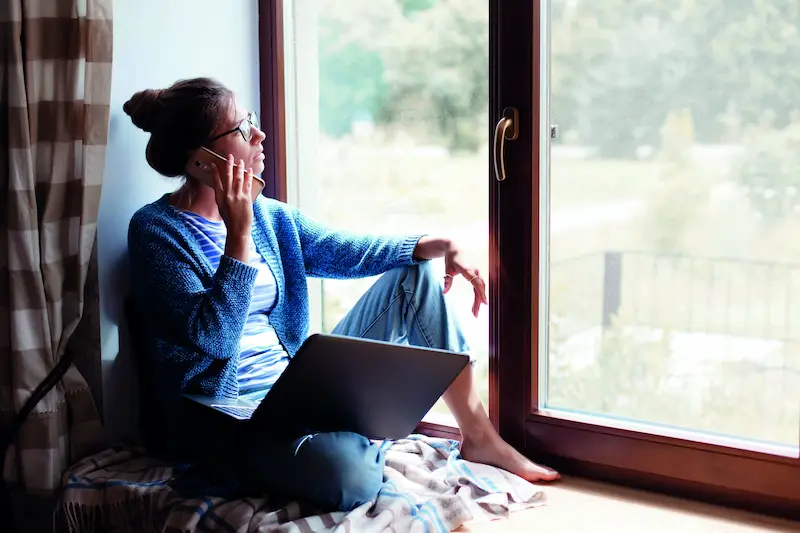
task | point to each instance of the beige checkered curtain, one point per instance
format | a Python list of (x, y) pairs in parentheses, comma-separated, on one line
[(55, 85)]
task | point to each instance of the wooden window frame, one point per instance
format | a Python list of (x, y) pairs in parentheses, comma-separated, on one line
[(273, 96), (710, 472)]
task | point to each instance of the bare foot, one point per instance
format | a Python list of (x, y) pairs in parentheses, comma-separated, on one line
[(495, 451)]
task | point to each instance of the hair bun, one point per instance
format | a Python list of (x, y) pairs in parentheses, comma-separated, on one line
[(145, 108)]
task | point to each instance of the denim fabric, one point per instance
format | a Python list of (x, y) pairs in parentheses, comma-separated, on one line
[(406, 306), (343, 470)]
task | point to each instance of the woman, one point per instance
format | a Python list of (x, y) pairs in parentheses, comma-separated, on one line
[(220, 284)]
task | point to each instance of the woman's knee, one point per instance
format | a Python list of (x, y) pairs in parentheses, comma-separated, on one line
[(345, 469), (422, 278), (427, 271), (428, 267)]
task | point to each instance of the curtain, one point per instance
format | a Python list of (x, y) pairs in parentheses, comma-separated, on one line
[(55, 88)]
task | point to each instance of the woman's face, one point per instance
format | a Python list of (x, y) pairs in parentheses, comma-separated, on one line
[(252, 152)]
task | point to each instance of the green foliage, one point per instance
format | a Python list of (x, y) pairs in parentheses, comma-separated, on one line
[(438, 78), (412, 6), (352, 79), (681, 194), (632, 378), (620, 67), (626, 379), (770, 174), (420, 66)]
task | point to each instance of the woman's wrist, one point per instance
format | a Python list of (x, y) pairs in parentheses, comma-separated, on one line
[(432, 248), (237, 248)]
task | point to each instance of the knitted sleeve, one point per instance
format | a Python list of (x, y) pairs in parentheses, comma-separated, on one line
[(335, 254), (167, 284)]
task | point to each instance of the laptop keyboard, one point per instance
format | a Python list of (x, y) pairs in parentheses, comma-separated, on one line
[(235, 410)]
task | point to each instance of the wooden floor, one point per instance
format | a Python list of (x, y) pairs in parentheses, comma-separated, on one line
[(577, 506)]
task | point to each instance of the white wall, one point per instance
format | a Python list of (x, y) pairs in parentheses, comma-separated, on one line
[(155, 43)]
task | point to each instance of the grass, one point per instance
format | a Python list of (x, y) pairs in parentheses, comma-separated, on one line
[(576, 183), (435, 187)]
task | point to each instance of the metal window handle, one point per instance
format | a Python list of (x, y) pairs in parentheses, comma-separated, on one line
[(506, 128)]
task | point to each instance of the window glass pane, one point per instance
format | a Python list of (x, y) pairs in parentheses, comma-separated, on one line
[(388, 116), (674, 214)]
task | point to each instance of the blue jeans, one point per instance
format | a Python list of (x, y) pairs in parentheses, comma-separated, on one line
[(343, 470)]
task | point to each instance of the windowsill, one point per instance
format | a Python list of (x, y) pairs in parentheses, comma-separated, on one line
[(441, 419), (577, 505), (441, 425)]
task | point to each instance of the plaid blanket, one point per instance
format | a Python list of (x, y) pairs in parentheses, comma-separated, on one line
[(427, 488)]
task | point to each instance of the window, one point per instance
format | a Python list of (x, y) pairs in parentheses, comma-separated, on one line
[(665, 304), (388, 132), (644, 264), (674, 184)]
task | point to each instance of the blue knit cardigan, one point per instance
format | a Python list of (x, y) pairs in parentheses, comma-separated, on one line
[(193, 316)]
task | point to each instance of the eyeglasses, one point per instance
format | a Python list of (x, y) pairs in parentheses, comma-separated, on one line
[(245, 127)]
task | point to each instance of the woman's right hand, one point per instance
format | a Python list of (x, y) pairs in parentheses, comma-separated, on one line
[(232, 192)]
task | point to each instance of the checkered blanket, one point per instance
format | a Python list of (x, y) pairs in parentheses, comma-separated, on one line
[(427, 488)]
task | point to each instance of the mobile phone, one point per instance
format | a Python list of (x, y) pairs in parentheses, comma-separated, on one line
[(257, 185)]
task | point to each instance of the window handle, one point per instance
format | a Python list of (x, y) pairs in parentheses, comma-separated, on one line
[(506, 128)]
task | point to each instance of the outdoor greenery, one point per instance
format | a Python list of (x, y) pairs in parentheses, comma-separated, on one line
[(770, 174), (679, 150), (413, 65), (728, 62)]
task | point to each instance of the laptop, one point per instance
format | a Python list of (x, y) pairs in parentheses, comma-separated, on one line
[(335, 383)]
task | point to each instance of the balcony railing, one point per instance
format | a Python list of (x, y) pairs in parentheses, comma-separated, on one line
[(726, 296)]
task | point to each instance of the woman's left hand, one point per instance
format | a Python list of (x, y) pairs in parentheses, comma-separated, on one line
[(454, 266), (433, 248)]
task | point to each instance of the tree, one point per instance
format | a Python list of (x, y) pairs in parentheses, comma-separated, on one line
[(419, 65), (352, 85), (621, 66), (681, 195), (770, 174), (437, 71), (351, 72)]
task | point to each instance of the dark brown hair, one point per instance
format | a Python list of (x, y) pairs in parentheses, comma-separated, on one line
[(179, 119)]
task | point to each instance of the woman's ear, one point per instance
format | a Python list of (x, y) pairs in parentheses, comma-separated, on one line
[(197, 162), (198, 167)]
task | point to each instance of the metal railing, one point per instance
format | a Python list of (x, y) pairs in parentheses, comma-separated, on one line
[(727, 296)]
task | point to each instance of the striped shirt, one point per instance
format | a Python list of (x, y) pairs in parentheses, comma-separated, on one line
[(262, 358)]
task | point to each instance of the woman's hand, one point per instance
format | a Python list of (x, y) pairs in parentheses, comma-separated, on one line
[(454, 266), (232, 193), (431, 248)]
